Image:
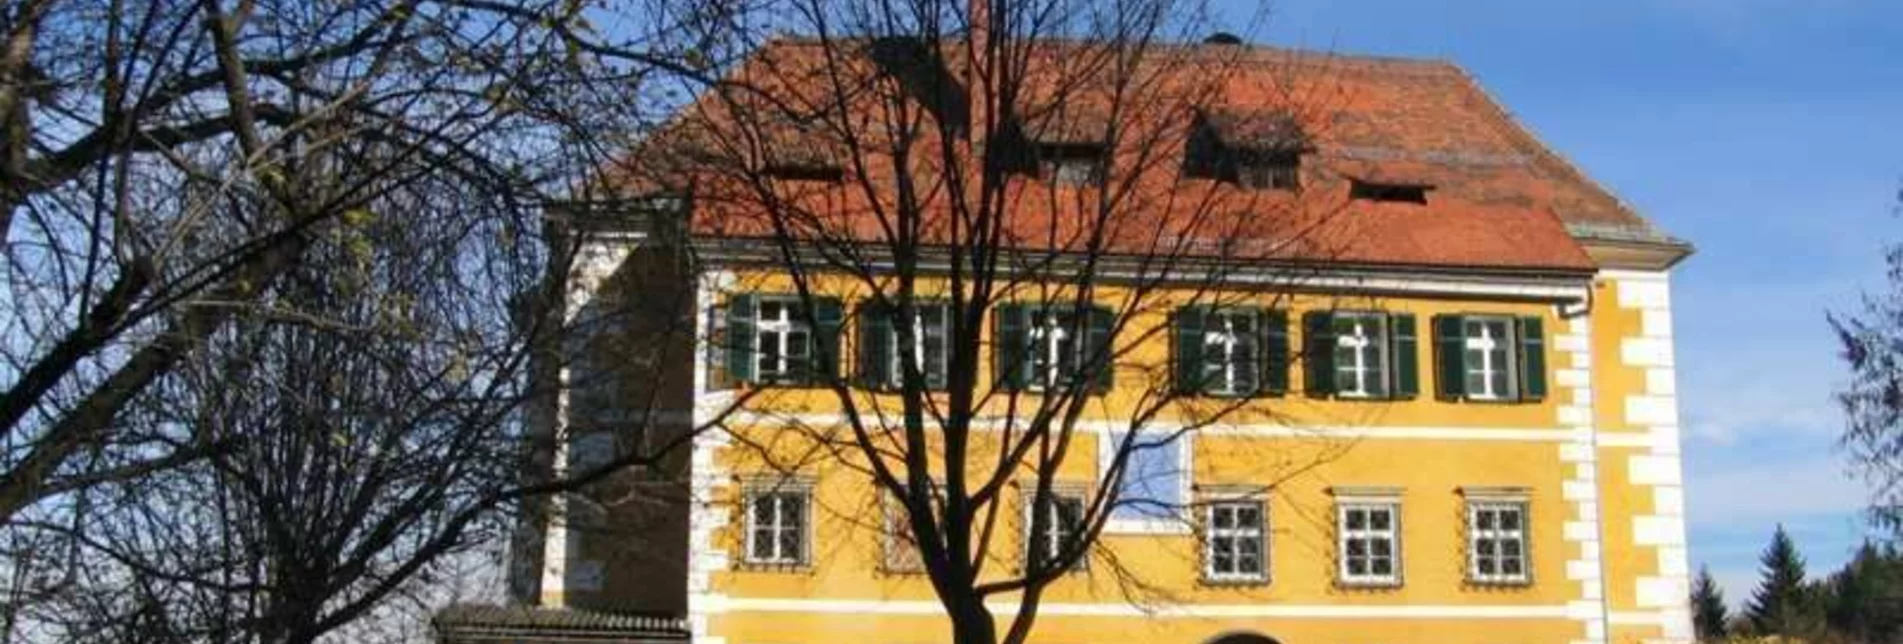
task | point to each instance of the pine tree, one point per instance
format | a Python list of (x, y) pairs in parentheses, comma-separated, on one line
[(1708, 607), (1782, 604), (1865, 595)]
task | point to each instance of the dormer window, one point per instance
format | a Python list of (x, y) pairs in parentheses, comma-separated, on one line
[(1071, 164), (1415, 193), (1268, 170), (1253, 149)]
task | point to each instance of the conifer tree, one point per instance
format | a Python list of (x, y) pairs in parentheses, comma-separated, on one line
[(1865, 597), (1708, 607), (1781, 605)]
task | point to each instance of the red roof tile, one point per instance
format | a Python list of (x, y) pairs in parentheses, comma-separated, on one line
[(1498, 199)]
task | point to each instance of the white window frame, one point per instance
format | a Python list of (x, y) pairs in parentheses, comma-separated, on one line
[(1368, 535), (801, 494), (1048, 331), (1371, 381), (1499, 535), (1486, 344), (1054, 541), (1230, 341), (896, 368), (1107, 448), (1260, 533), (784, 325)]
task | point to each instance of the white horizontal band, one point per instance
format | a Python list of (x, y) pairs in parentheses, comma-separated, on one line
[(720, 604)]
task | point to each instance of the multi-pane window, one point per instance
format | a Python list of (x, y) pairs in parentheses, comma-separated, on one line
[(1072, 164), (1054, 346), (1046, 347), (1488, 356), (779, 339), (1369, 542), (1231, 353), (785, 341), (1268, 171), (1496, 541), (1234, 545), (882, 361), (901, 549), (777, 525), (929, 325), (1494, 357), (1063, 527), (1361, 355)]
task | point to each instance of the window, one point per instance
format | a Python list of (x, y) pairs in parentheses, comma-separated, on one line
[(786, 342), (901, 550), (1496, 542), (1231, 351), (1072, 164), (1063, 527), (1361, 355), (1488, 358), (883, 367), (1234, 543), (1044, 347), (1153, 488), (1494, 358), (777, 524), (1388, 192), (1268, 171), (778, 340), (1369, 548)]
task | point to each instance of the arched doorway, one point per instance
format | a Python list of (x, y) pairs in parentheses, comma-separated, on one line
[(1243, 638)]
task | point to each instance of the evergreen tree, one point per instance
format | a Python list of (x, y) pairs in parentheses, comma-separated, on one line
[(1708, 607), (1865, 600), (1782, 604)]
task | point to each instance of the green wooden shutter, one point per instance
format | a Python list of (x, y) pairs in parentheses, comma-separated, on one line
[(1450, 356), (1406, 352), (1099, 352), (1532, 359), (1008, 342), (740, 336), (875, 346), (1189, 348), (828, 318), (1318, 353), (1275, 352)]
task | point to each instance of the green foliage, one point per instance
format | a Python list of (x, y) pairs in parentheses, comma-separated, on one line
[(1708, 608), (1783, 603), (1864, 600)]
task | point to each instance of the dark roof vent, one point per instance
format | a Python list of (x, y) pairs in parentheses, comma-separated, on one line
[(1415, 193), (1223, 38)]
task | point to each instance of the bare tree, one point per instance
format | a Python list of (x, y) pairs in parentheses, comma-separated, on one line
[(278, 275), (1020, 194)]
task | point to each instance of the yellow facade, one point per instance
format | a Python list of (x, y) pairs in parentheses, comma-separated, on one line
[(1595, 462)]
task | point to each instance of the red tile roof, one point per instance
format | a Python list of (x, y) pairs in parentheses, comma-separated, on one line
[(1499, 198)]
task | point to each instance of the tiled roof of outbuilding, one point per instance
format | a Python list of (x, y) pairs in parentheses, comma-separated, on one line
[(470, 623)]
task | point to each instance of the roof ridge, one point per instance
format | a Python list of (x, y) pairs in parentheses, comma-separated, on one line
[(1253, 52)]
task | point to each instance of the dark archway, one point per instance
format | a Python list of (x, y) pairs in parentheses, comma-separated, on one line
[(1243, 638)]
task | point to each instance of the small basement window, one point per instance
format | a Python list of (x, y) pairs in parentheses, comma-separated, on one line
[(1391, 192)]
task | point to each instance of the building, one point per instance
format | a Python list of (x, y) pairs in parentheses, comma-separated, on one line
[(1476, 379)]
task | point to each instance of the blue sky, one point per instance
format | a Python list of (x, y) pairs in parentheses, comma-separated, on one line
[(1769, 133)]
